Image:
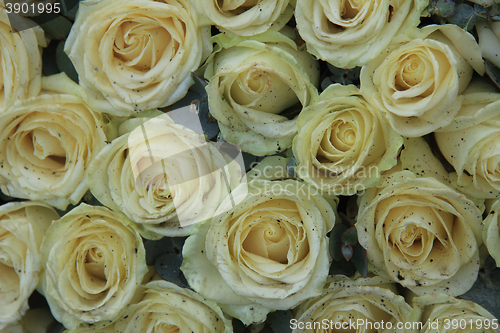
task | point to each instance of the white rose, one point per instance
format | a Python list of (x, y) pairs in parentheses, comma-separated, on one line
[(21, 61), (47, 143), (421, 233), (93, 264), (441, 313), (352, 33), (269, 252), (163, 176), (22, 227), (136, 55), (253, 84), (343, 142), (470, 143), (418, 78), (247, 17), (366, 302), (165, 306)]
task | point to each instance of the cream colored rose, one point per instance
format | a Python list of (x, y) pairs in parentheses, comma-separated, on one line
[(343, 142), (471, 143), (269, 252), (169, 308), (134, 55), (47, 143), (22, 227), (353, 32), (163, 176), (421, 233), (93, 264), (246, 17), (440, 313), (418, 79), (491, 231), (21, 61), (369, 301), (254, 85)]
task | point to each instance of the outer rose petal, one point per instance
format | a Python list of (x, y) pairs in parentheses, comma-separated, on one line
[(422, 234), (489, 40), (93, 264), (47, 143), (352, 33), (491, 231), (246, 18), (136, 55), (20, 60), (344, 143), (270, 252), (22, 227)]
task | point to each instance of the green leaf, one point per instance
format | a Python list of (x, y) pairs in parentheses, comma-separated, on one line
[(346, 220), (347, 251), (64, 63), (49, 64), (342, 267), (279, 321), (341, 75), (360, 260), (467, 16), (292, 111), (350, 236), (54, 25), (165, 245), (168, 266), (69, 8), (493, 72), (336, 241), (443, 8)]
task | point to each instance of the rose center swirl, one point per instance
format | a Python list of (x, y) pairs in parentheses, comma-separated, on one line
[(350, 8), (415, 233), (235, 7), (263, 90), (275, 235), (163, 327), (142, 45), (411, 72)]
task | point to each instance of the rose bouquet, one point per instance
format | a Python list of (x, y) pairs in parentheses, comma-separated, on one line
[(249, 166)]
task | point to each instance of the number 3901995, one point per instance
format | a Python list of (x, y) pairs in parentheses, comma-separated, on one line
[(24, 8)]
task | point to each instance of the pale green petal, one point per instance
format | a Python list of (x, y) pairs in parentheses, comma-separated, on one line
[(94, 261)]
